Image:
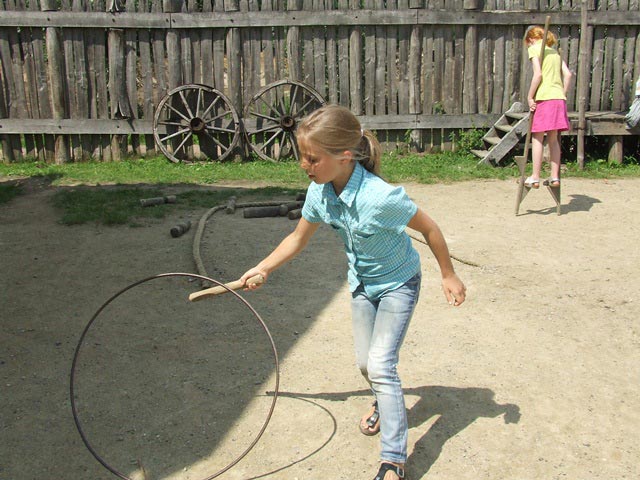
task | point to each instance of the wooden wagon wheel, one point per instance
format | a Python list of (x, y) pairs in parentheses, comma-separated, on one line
[(194, 122), (272, 115)]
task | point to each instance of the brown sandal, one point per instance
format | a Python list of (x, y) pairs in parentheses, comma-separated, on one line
[(370, 424)]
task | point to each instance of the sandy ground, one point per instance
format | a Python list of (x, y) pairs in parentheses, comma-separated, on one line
[(537, 376)]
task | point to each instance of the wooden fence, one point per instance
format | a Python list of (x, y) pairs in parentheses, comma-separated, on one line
[(80, 79)]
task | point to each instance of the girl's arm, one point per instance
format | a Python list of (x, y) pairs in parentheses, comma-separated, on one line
[(535, 82), (566, 77), (454, 289), (291, 246)]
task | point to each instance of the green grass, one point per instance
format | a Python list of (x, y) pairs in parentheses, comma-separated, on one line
[(144, 178), (119, 206), (158, 171)]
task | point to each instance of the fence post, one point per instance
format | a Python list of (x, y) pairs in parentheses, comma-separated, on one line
[(355, 64), (173, 46), (234, 59), (55, 71)]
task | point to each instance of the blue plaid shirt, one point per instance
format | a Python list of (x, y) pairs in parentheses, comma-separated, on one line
[(370, 216)]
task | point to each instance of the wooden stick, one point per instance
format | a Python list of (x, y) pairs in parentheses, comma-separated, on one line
[(217, 290)]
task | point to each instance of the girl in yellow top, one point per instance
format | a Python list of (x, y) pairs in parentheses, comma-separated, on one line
[(547, 97)]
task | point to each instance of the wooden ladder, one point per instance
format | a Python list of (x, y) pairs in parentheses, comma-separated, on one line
[(504, 136)]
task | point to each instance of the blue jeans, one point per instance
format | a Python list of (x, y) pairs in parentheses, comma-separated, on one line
[(379, 327)]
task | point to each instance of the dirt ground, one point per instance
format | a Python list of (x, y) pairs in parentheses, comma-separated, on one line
[(537, 376)]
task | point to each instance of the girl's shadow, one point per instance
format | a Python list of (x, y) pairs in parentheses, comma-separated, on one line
[(456, 409)]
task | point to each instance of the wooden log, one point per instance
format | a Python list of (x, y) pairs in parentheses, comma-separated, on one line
[(206, 51), (293, 45), (392, 63), (469, 91), (180, 229), (14, 77), (583, 80), (55, 73), (484, 75), (369, 65), (7, 141), (231, 205), (268, 46), (307, 36), (234, 60), (342, 41), (131, 76), (150, 202), (496, 83), (146, 77), (355, 65), (616, 149), (46, 149), (268, 211), (294, 214), (414, 69), (404, 35), (83, 148)]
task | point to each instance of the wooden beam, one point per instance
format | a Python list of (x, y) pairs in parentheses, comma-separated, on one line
[(597, 124), (270, 18)]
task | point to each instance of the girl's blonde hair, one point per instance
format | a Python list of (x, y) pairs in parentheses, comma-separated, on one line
[(335, 130), (536, 32)]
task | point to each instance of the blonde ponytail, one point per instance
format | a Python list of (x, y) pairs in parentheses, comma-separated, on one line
[(370, 153)]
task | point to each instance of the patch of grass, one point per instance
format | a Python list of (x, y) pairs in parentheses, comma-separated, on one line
[(8, 192), (439, 168), (396, 168), (159, 171), (121, 206), (106, 206)]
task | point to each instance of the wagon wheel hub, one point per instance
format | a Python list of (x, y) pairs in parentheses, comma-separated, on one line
[(287, 122), (197, 125)]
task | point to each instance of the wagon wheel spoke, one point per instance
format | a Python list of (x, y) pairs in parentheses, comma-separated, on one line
[(186, 103), (272, 116), (265, 117), (198, 103), (178, 112), (210, 107), (224, 147), (196, 122), (270, 107), (168, 123), (186, 138), (175, 134), (268, 129), (302, 111)]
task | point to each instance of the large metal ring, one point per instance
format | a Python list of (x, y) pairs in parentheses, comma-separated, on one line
[(92, 321)]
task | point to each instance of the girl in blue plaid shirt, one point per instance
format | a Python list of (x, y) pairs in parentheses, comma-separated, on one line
[(370, 216)]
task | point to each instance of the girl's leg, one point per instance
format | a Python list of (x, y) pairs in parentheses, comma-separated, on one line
[(537, 152), (392, 317), (363, 317), (553, 140)]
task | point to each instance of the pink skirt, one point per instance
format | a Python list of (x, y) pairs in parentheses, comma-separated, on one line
[(550, 115)]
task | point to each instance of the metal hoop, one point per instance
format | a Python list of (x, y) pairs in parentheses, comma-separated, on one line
[(93, 319)]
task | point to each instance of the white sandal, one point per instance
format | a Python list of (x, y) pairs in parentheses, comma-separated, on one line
[(532, 182)]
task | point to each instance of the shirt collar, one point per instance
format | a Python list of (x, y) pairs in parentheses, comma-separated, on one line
[(348, 195)]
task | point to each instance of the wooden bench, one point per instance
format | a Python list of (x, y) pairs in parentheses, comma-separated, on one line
[(609, 124)]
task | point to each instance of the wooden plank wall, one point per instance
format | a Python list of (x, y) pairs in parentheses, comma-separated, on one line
[(415, 60)]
